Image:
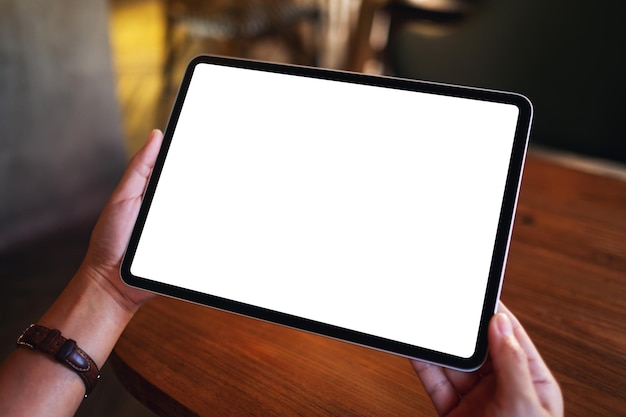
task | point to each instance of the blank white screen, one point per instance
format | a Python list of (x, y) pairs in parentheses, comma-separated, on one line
[(364, 207)]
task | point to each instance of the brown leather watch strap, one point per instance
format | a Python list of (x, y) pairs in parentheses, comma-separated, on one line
[(65, 351)]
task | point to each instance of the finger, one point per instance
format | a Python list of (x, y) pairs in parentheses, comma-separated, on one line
[(510, 362), (463, 382), (538, 368), (545, 383), (438, 387), (115, 223), (135, 177)]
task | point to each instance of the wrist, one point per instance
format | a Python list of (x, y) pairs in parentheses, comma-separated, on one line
[(90, 312), (62, 350), (84, 322), (109, 285)]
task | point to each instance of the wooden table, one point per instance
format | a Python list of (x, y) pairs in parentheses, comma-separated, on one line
[(565, 280)]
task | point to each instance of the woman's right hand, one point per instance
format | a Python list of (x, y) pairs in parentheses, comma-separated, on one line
[(514, 381)]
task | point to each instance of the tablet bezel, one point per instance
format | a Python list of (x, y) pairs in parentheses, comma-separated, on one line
[(504, 229)]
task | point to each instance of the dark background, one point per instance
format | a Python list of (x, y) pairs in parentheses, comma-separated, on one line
[(566, 56)]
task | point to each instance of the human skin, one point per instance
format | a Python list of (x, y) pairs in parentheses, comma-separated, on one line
[(96, 306)]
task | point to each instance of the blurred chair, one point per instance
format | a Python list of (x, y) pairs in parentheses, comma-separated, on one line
[(379, 19), (236, 27)]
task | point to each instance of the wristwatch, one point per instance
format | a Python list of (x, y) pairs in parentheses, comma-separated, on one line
[(65, 351)]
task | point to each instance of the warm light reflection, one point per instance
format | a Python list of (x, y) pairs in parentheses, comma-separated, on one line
[(443, 6)]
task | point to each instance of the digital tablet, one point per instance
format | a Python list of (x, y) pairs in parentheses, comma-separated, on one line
[(373, 210)]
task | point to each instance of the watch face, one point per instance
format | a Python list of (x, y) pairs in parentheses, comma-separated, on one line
[(368, 209)]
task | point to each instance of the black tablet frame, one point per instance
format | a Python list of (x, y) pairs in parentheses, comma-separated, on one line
[(502, 241)]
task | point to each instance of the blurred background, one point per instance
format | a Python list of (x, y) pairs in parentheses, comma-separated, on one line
[(83, 83)]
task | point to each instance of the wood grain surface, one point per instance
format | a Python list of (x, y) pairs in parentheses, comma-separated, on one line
[(565, 281)]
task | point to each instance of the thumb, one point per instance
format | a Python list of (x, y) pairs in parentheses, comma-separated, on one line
[(510, 364)]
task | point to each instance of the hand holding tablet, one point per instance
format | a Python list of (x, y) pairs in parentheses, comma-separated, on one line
[(368, 209)]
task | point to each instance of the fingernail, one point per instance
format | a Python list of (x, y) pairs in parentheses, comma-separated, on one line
[(504, 324)]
